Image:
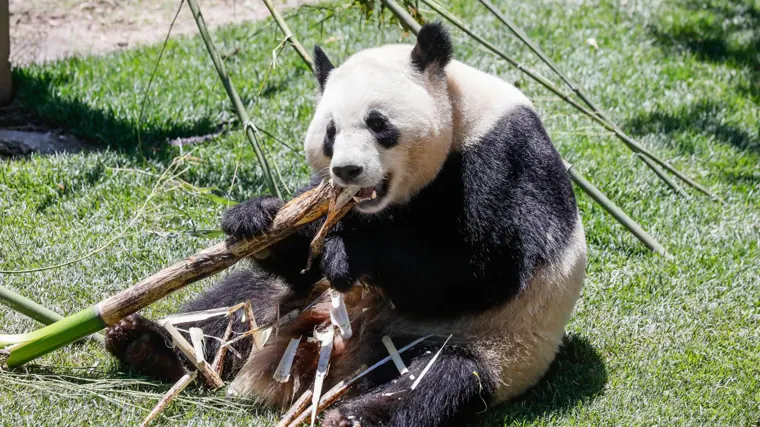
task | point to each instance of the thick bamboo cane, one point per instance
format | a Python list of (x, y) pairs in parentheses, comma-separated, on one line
[(300, 211)]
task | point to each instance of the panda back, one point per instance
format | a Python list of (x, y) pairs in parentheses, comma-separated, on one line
[(479, 101)]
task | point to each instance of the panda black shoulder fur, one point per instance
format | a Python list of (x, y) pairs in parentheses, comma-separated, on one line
[(474, 233)]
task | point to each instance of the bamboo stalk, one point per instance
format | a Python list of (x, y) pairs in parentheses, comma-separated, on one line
[(28, 307), (300, 211), (575, 88), (616, 212), (34, 310), (289, 34), (173, 392), (235, 98), (627, 140), (296, 409), (584, 184)]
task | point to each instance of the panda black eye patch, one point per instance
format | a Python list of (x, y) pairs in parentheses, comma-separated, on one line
[(386, 134), (327, 145)]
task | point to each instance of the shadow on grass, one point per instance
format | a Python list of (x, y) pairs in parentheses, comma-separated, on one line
[(725, 32), (99, 129), (577, 376), (718, 31), (38, 105), (703, 117)]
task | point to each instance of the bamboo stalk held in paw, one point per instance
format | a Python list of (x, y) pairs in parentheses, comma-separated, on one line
[(298, 212)]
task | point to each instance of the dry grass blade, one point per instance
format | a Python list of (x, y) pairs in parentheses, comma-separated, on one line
[(289, 34)]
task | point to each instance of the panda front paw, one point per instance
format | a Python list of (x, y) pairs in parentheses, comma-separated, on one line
[(335, 264), (251, 217), (140, 344)]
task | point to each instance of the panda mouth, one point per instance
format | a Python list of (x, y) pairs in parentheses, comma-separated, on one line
[(373, 195)]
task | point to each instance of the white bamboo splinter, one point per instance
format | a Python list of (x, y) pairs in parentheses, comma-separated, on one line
[(196, 337), (339, 314), (427, 367), (196, 316), (282, 373), (209, 376), (325, 350), (169, 396), (395, 357)]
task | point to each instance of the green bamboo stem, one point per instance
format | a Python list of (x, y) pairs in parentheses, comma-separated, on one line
[(235, 98), (616, 212), (54, 336), (677, 188), (33, 310), (627, 140), (584, 184), (289, 34), (517, 31), (537, 50), (403, 16), (28, 307)]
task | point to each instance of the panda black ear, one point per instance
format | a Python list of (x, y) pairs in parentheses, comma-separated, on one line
[(433, 47), (322, 66)]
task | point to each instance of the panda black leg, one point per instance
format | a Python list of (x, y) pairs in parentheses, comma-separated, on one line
[(144, 346), (449, 392)]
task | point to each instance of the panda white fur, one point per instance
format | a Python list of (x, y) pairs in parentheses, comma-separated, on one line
[(474, 233)]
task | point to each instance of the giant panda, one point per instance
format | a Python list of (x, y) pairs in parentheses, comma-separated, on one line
[(473, 236)]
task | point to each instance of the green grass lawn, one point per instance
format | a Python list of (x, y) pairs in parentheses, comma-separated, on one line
[(651, 343)]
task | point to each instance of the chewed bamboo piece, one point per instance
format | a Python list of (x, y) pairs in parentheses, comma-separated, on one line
[(402, 369), (196, 338), (432, 361), (258, 342), (218, 364), (282, 373), (339, 314), (209, 376), (306, 208), (323, 365)]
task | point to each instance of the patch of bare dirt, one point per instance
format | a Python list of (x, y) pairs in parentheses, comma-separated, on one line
[(45, 30)]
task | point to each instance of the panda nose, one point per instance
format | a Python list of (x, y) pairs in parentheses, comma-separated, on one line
[(347, 173)]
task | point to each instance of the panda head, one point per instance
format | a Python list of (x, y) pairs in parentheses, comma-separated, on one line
[(384, 119)]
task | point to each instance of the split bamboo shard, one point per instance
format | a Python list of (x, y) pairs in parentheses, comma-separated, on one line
[(298, 212)]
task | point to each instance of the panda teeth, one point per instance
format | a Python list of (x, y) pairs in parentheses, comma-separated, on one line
[(359, 197)]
